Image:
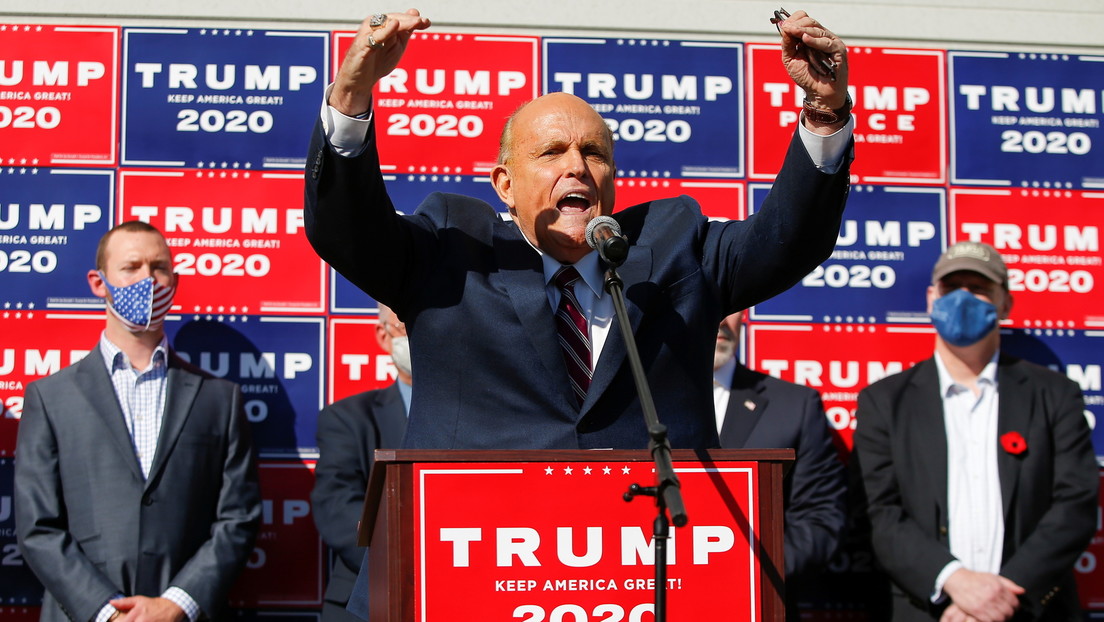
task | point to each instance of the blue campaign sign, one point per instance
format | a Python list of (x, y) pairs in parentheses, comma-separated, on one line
[(221, 98), (50, 223), (1027, 119), (1075, 353), (407, 192), (21, 588), (279, 363), (676, 108), (890, 238)]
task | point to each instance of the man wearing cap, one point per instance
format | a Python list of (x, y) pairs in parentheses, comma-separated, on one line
[(978, 468)]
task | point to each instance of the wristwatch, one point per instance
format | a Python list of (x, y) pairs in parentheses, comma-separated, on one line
[(821, 115)]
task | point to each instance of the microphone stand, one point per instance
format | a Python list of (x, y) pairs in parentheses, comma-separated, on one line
[(667, 493)]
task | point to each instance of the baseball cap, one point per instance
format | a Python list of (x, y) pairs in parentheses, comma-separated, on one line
[(973, 256)]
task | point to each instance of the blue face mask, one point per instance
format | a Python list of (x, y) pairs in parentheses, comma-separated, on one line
[(963, 319)]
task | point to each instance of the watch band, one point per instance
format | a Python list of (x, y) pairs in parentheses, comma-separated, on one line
[(821, 115)]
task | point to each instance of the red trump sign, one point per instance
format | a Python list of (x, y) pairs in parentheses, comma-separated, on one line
[(59, 98), (546, 560), (236, 238)]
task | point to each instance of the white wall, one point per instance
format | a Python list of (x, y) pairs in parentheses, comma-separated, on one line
[(1066, 25)]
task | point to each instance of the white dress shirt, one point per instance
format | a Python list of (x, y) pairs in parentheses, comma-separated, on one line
[(975, 512), (722, 389)]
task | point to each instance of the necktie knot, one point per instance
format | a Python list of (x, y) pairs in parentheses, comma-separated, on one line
[(565, 278)]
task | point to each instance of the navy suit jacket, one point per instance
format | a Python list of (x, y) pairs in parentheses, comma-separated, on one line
[(349, 432), (765, 412), (483, 339), (90, 526), (1049, 492)]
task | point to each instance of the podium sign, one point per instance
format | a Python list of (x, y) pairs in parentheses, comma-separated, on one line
[(546, 535)]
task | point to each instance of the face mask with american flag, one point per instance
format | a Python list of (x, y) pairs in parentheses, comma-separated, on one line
[(140, 306)]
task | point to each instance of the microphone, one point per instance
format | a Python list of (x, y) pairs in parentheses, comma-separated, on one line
[(603, 234)]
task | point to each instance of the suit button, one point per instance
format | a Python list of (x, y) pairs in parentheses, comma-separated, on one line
[(943, 530), (147, 500)]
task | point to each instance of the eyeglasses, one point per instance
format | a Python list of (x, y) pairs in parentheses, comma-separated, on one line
[(819, 61)]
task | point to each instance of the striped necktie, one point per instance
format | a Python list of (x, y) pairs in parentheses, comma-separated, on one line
[(573, 332)]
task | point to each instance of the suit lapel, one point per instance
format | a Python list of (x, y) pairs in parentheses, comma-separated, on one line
[(391, 416), (1014, 409), (923, 414), (746, 404), (181, 388), (95, 383), (522, 274), (636, 269)]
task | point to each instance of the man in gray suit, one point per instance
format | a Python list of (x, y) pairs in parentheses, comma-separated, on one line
[(136, 494), (349, 432)]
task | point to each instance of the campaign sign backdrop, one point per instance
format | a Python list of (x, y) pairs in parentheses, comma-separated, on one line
[(1027, 119), (37, 344), (58, 94), (1075, 353), (890, 238), (899, 102), (545, 559), (407, 191), (287, 563), (675, 107), (221, 97), (51, 220), (356, 361), (279, 363), (719, 199), (236, 238), (20, 585), (443, 108), (837, 360), (1050, 241), (1090, 568)]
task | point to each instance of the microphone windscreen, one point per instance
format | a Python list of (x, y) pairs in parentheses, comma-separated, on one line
[(591, 238)]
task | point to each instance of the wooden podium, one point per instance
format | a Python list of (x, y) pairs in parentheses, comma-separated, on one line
[(546, 536)]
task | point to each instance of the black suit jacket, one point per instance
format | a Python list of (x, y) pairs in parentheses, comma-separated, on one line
[(349, 432), (471, 291), (90, 526), (1049, 492), (765, 412)]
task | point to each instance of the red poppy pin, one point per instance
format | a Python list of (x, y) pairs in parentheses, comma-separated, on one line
[(1013, 443)]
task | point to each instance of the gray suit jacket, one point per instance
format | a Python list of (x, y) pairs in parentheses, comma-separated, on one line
[(90, 526)]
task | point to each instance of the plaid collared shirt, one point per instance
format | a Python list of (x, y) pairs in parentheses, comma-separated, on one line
[(141, 396)]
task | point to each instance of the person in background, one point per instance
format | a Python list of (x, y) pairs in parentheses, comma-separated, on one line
[(136, 494), (756, 410), (978, 468), (349, 432)]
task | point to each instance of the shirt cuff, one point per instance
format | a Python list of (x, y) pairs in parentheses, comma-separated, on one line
[(107, 610), (826, 152), (347, 135), (182, 600), (948, 570)]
